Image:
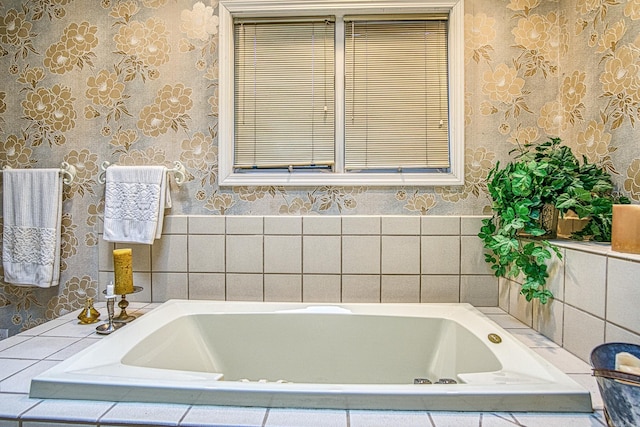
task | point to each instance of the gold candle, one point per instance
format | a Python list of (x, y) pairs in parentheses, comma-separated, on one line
[(123, 271), (625, 231)]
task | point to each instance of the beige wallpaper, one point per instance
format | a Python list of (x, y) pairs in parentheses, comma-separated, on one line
[(135, 82)]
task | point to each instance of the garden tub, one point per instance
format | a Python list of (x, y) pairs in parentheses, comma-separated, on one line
[(346, 356)]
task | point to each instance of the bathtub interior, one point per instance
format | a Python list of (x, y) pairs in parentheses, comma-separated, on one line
[(346, 356), (315, 348)]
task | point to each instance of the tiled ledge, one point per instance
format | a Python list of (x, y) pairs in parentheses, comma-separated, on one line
[(596, 248), (27, 354)]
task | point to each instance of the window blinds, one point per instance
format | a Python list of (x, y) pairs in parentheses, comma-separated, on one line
[(396, 94), (284, 93)]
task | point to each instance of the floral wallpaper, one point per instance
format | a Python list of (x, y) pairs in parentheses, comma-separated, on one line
[(135, 82)]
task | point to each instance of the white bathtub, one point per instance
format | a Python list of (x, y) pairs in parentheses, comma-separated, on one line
[(347, 356)]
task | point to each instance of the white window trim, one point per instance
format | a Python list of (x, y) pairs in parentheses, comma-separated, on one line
[(228, 9)]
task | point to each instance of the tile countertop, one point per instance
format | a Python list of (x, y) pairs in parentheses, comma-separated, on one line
[(32, 352)]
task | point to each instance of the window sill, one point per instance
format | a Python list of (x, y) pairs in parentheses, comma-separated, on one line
[(302, 179)]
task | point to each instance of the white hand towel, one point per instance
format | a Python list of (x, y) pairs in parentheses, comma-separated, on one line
[(135, 200), (32, 210)]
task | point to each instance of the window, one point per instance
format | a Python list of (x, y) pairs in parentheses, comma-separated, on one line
[(334, 93)]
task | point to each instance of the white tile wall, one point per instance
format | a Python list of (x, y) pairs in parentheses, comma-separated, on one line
[(438, 288), (206, 224), (283, 254), (597, 298), (361, 258), (400, 288), (585, 281), (400, 254), (283, 225), (361, 254), (170, 253), (245, 287), (582, 332), (283, 287), (321, 254), (440, 225), (367, 225), (206, 253), (321, 287), (244, 253), (440, 254), (361, 288), (623, 294)]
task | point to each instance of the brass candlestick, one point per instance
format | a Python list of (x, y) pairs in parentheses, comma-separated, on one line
[(125, 317)]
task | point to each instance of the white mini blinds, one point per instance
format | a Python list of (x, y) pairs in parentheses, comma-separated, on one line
[(284, 93), (396, 93)]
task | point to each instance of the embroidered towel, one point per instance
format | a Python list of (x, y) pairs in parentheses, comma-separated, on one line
[(134, 203), (32, 210)]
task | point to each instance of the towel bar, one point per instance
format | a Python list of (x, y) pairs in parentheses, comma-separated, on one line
[(67, 170), (178, 170)]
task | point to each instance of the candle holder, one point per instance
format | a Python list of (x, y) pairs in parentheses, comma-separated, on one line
[(110, 326), (125, 317)]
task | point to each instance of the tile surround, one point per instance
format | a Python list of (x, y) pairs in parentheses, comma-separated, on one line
[(17, 409), (380, 258), (244, 256), (596, 298)]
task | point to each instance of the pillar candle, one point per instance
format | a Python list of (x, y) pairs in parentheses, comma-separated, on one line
[(625, 232), (123, 271)]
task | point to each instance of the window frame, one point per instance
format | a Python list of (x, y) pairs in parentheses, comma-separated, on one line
[(228, 9)]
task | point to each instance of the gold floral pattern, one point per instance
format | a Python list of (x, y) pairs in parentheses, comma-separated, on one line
[(572, 92), (632, 182), (145, 46), (124, 11), (104, 89), (479, 33), (477, 165), (199, 23), (149, 156), (201, 157), (123, 139), (86, 164), (621, 85), (76, 291), (51, 113), (73, 50), (219, 202), (14, 153), (15, 32), (420, 203), (595, 144), (542, 40), (504, 86), (68, 240), (169, 111), (524, 135), (632, 9)]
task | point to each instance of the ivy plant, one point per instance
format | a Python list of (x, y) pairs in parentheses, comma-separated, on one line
[(538, 176)]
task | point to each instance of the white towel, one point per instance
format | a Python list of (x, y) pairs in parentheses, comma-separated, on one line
[(134, 203), (32, 210)]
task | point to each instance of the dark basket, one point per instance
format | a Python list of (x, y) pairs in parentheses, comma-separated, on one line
[(620, 391)]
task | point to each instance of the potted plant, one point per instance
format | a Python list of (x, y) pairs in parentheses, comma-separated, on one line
[(542, 178)]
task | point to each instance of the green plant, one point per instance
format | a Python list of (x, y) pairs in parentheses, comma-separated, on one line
[(539, 175)]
